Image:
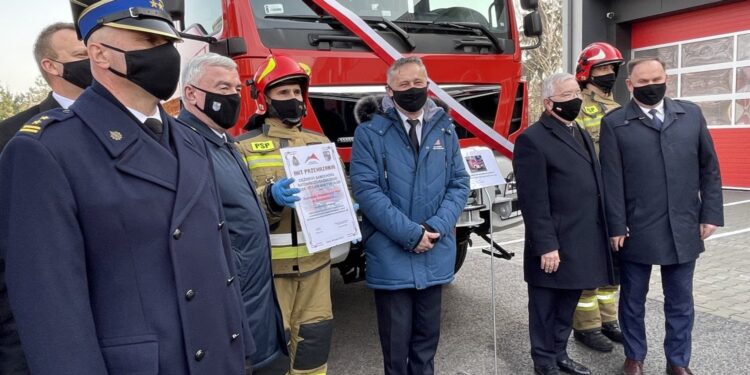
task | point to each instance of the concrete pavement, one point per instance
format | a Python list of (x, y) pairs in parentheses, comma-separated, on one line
[(721, 338)]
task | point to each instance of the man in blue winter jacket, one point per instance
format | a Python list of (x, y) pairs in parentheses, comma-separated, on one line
[(409, 180)]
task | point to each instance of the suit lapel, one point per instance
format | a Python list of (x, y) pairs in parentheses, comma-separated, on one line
[(557, 129), (671, 111), (192, 168), (634, 112), (135, 152)]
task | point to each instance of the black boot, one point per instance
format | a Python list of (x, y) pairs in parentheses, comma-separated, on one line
[(572, 367), (612, 331), (594, 339)]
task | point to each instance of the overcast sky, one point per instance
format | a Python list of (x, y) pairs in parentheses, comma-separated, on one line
[(22, 21)]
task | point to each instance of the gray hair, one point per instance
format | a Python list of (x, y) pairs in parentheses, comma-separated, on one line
[(398, 64), (43, 45), (549, 84), (195, 67)]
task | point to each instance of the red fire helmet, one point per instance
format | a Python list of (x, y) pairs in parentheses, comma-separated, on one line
[(275, 71), (596, 54)]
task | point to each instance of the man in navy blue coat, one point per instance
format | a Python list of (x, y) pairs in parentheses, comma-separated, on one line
[(117, 259), (566, 249), (211, 105), (663, 194)]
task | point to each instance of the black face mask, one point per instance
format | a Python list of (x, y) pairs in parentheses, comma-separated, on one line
[(77, 72), (156, 70), (650, 94), (605, 82), (411, 100), (290, 111), (568, 111), (224, 110)]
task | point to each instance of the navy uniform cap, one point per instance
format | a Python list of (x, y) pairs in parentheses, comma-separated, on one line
[(147, 16)]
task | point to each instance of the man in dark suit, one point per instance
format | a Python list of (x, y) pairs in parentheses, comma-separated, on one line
[(64, 65), (663, 187), (63, 62), (566, 250), (211, 89), (118, 258)]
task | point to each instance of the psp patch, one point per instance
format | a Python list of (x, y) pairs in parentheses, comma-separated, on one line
[(262, 146)]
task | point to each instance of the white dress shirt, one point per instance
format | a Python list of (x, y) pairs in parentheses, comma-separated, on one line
[(63, 101), (142, 118), (659, 110), (408, 127)]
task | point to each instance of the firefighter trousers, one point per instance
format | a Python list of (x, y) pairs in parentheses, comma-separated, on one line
[(305, 303), (596, 306)]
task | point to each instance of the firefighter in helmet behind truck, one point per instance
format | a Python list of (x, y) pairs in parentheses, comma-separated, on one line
[(302, 279), (595, 320)]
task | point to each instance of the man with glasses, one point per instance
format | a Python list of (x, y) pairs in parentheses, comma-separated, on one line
[(566, 248)]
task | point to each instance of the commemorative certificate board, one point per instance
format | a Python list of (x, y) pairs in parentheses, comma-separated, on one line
[(482, 168), (325, 209)]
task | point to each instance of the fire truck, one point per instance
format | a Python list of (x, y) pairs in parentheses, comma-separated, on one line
[(471, 49)]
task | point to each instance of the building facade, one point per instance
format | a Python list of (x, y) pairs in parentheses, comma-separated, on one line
[(706, 46)]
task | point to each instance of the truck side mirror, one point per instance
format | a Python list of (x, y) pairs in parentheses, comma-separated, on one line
[(532, 24), (229, 47), (532, 27), (530, 4), (176, 10)]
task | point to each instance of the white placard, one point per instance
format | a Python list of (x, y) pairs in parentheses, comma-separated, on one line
[(325, 208), (482, 167)]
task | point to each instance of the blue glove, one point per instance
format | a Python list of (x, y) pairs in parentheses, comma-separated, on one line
[(356, 207), (283, 194)]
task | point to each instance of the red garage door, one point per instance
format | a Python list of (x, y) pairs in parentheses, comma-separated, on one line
[(707, 52)]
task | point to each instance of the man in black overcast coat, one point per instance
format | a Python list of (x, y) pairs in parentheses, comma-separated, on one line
[(664, 198), (566, 250)]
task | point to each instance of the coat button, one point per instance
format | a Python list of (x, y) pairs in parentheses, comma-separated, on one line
[(230, 281), (221, 225), (200, 354), (189, 294), (177, 234), (235, 336)]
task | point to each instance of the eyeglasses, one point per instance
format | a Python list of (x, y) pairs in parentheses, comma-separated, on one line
[(568, 95)]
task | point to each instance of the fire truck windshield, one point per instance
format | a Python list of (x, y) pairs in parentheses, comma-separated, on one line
[(471, 24)]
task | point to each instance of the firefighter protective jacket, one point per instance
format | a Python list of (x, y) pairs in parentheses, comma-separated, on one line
[(594, 107), (260, 147)]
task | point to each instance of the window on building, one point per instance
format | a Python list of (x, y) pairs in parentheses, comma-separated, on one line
[(713, 72)]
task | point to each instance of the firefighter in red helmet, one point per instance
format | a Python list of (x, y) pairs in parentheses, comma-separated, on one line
[(301, 278), (595, 320)]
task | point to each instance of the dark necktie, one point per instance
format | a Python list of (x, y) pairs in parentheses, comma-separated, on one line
[(413, 134), (155, 126), (575, 134), (655, 119)]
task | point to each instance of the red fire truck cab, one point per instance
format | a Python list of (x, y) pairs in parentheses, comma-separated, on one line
[(470, 47)]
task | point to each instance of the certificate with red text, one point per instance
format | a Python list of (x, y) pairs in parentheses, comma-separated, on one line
[(325, 208)]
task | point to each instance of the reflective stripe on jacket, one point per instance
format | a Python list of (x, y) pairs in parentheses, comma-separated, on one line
[(260, 149)]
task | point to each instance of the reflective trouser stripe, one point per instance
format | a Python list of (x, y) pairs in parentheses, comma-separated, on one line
[(606, 297), (587, 304), (264, 161)]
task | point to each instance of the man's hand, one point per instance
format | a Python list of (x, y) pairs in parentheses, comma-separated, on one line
[(283, 194), (427, 241), (617, 242), (707, 230), (550, 261)]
